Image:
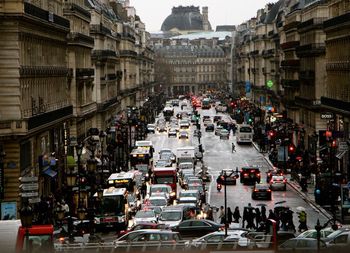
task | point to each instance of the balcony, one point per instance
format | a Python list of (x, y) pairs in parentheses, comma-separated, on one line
[(307, 75), (50, 117), (290, 83), (336, 104), (295, 63), (268, 53), (312, 49), (290, 45), (337, 21), (80, 39), (128, 53), (74, 8), (47, 16), (100, 29), (107, 104), (84, 72), (291, 25), (313, 23), (103, 55), (86, 109), (338, 66)]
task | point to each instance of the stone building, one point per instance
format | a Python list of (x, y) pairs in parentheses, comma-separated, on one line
[(186, 19), (66, 67)]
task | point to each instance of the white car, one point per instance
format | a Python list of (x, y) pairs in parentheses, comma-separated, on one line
[(151, 128), (145, 216), (161, 188), (183, 135), (159, 201), (278, 183), (184, 123)]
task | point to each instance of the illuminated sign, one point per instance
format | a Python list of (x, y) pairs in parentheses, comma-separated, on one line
[(121, 181)]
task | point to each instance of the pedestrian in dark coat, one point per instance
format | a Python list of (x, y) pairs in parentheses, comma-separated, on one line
[(257, 217), (263, 213), (245, 216), (250, 219), (229, 216), (236, 215), (272, 215)]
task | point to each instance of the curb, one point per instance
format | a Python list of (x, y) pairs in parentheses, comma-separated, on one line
[(313, 204)]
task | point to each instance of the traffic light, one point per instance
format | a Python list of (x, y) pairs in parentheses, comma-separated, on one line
[(250, 120), (271, 134), (291, 148), (334, 143)]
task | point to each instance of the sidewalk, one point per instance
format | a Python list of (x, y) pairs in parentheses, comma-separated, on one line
[(308, 196)]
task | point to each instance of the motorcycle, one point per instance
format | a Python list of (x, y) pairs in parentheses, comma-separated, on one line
[(218, 187)]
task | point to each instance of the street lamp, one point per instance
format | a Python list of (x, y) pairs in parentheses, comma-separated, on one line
[(26, 214), (225, 197)]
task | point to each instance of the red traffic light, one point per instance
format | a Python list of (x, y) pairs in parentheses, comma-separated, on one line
[(271, 133), (291, 148), (334, 143)]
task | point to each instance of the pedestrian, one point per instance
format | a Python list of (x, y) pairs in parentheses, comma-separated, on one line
[(258, 218), (233, 147), (65, 208), (222, 215), (302, 221), (236, 215), (250, 219), (290, 223), (245, 216), (263, 213), (143, 189), (229, 216), (210, 214), (272, 215), (283, 219)]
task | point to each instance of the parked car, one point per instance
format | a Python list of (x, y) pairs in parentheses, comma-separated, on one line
[(338, 239), (278, 183), (250, 175), (195, 228), (261, 191), (151, 128)]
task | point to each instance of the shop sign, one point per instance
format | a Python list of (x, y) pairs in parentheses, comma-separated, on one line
[(8, 210), (327, 115)]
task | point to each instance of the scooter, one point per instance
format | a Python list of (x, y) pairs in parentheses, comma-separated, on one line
[(218, 187)]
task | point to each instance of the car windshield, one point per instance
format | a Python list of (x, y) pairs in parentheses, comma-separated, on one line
[(159, 189), (170, 216), (245, 130), (158, 202), (334, 234), (277, 178), (195, 187), (188, 194), (144, 214), (261, 187)]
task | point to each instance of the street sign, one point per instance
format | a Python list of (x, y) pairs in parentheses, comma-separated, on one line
[(342, 146), (29, 194), (327, 115), (34, 200), (28, 179), (29, 186)]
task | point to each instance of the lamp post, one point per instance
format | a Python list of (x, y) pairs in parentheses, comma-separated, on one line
[(225, 198), (26, 214), (80, 210)]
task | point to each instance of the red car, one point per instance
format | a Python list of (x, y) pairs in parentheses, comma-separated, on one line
[(146, 225)]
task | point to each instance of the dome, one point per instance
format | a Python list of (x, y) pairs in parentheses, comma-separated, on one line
[(186, 18)]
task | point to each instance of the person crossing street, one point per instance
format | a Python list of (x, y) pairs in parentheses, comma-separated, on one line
[(233, 147)]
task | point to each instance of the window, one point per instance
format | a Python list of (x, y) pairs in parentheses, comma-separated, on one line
[(199, 223), (342, 239), (215, 239)]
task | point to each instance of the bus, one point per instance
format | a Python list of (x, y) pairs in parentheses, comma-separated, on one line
[(244, 134), (113, 209), (206, 103), (123, 180), (141, 158), (168, 176)]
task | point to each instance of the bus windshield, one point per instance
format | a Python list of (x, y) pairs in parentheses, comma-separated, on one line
[(127, 183), (113, 204), (245, 130), (165, 179)]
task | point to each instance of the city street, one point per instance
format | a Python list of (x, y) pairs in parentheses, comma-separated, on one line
[(218, 156)]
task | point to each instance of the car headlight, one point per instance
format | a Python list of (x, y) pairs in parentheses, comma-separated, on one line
[(146, 175)]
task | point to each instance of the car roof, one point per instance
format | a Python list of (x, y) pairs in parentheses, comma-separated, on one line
[(277, 177), (189, 191), (261, 186)]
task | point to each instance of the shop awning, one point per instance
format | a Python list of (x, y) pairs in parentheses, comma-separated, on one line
[(50, 172), (71, 162), (340, 154)]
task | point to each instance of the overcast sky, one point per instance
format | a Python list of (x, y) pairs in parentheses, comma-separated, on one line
[(221, 12)]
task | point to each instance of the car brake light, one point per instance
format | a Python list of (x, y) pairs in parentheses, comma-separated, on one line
[(252, 170), (245, 174), (269, 190), (258, 175), (284, 180), (255, 190)]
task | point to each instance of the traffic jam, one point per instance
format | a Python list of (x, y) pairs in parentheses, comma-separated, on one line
[(162, 200)]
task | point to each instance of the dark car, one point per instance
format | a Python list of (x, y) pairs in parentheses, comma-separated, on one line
[(206, 117), (231, 177), (250, 175), (261, 191), (217, 118), (145, 225), (301, 245), (196, 228), (210, 127)]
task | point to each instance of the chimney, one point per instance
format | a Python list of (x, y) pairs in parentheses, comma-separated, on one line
[(205, 19)]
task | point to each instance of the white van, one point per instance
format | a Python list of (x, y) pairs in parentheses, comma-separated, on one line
[(244, 134)]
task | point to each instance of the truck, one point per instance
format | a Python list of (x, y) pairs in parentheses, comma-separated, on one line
[(186, 154), (15, 239), (168, 176)]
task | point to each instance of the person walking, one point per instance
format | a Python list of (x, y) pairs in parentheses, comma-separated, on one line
[(272, 215), (258, 218), (229, 216), (222, 215), (263, 213), (302, 221), (236, 215), (245, 216), (250, 219), (233, 147)]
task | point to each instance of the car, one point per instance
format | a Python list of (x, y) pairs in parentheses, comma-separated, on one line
[(172, 132), (301, 245), (339, 239), (261, 191), (207, 121), (195, 228), (163, 163), (206, 117), (145, 215), (231, 178), (224, 134), (151, 128), (250, 175), (171, 215), (143, 225), (175, 102), (217, 118), (201, 190), (186, 165), (216, 240), (161, 188), (168, 153), (278, 183), (159, 201), (161, 128), (312, 233), (218, 130), (184, 124), (183, 135), (273, 172), (210, 127), (190, 196)]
